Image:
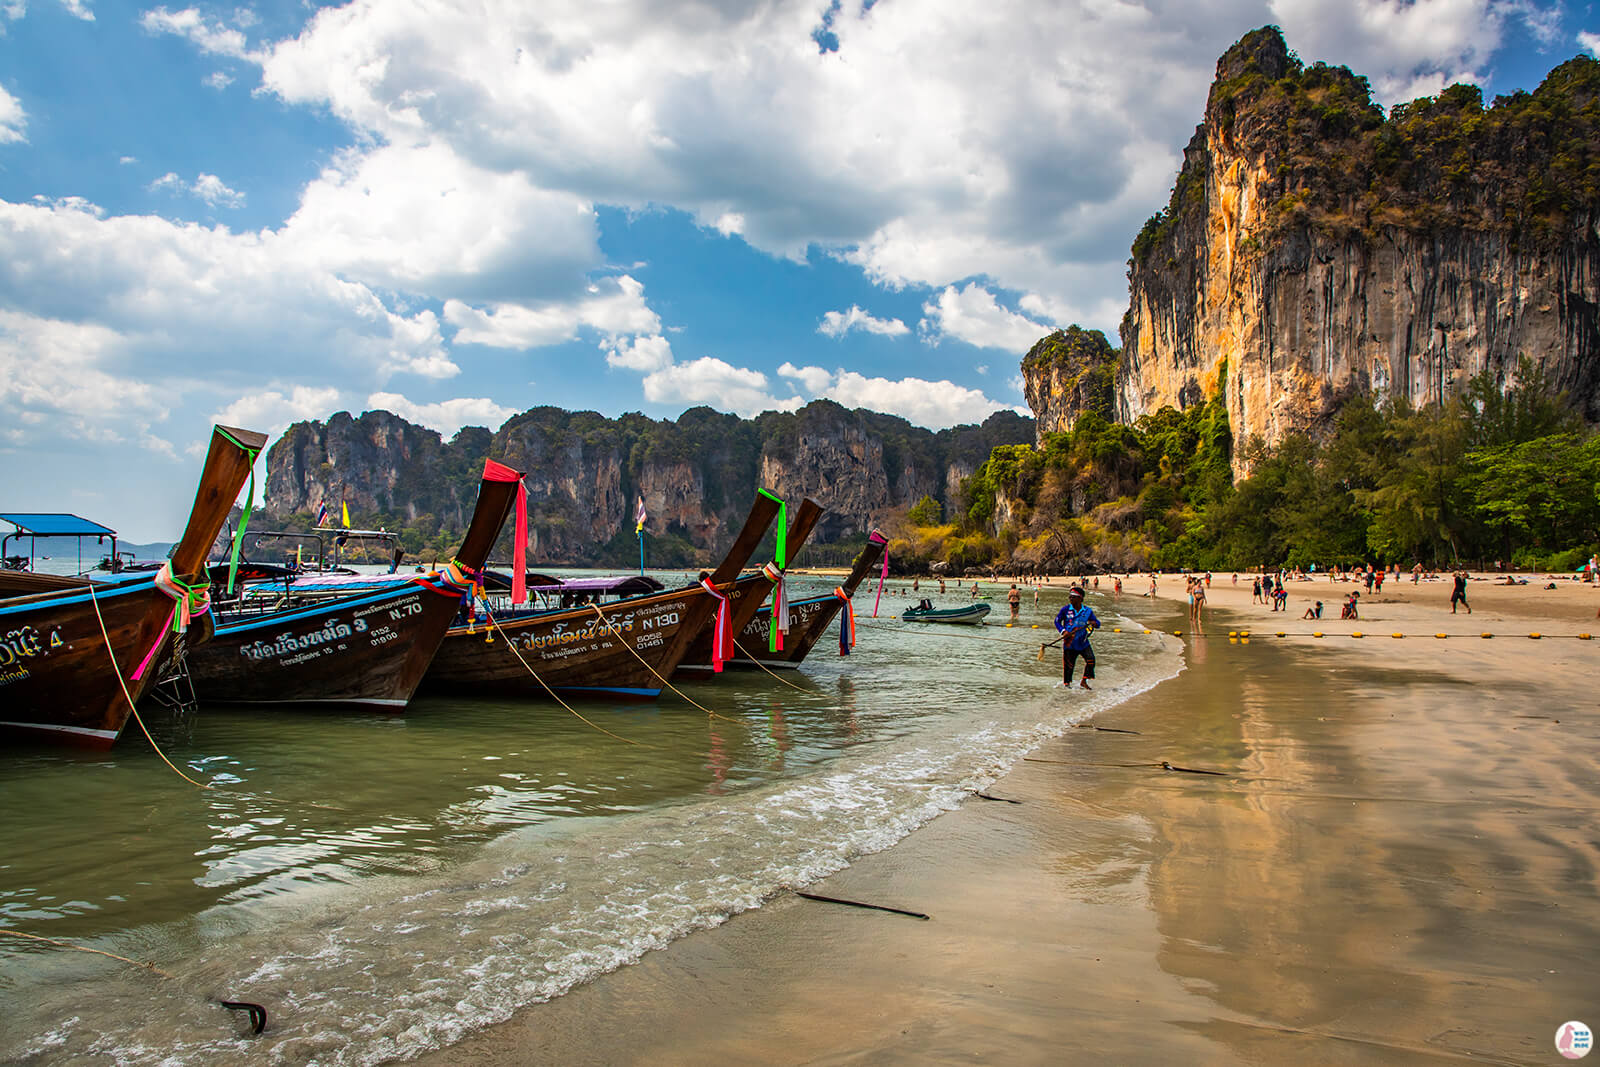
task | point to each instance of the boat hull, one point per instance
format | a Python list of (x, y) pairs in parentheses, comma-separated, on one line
[(572, 651), (360, 651), (968, 616), (749, 592), (809, 621), (56, 677)]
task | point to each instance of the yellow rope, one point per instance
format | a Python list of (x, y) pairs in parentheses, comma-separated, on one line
[(652, 670), (763, 666), (513, 647), (80, 948), (118, 672)]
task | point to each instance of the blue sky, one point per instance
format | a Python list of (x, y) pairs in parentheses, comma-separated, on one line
[(261, 213)]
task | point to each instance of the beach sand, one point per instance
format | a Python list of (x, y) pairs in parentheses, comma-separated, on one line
[(1398, 864)]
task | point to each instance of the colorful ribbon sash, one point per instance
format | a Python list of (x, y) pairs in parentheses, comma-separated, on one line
[(189, 603), (721, 629), (499, 472), (847, 622), (781, 620)]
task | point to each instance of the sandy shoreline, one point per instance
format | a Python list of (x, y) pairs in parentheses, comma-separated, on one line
[(1396, 864)]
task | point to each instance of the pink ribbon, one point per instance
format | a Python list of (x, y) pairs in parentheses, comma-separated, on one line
[(721, 629), (881, 576), (499, 472)]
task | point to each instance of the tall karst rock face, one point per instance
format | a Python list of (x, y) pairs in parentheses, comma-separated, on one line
[(697, 475), (1314, 247)]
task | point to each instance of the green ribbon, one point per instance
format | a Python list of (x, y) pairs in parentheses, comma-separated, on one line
[(782, 558), (249, 506)]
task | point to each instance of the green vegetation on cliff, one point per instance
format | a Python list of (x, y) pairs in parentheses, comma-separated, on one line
[(1526, 165), (1511, 475)]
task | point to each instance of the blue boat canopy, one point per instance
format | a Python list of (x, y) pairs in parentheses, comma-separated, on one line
[(44, 524)]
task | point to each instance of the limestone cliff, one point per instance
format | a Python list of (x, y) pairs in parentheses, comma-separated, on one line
[(697, 475), (1067, 373), (1315, 247)]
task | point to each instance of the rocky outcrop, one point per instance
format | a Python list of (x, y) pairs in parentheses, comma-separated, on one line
[(586, 472), (1066, 374), (1315, 247)]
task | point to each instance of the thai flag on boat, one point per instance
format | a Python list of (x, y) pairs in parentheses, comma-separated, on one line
[(322, 513), (638, 519)]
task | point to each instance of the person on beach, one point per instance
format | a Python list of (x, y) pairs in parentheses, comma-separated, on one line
[(1352, 606), (1152, 587), (1460, 593), (1116, 586), (1014, 598), (941, 586), (1197, 602), (1313, 613), (1075, 622), (1255, 592)]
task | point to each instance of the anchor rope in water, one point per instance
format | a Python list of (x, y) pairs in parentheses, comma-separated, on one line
[(84, 948), (112, 655), (614, 633), (764, 667), (494, 622)]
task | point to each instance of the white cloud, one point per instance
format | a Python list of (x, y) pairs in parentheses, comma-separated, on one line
[(61, 375), (78, 9), (125, 160), (271, 411), (194, 303), (815, 379), (208, 187), (971, 314), (446, 416), (839, 323), (217, 80), (646, 353), (614, 307), (936, 405), (13, 120), (213, 37), (1591, 41), (422, 219), (708, 380)]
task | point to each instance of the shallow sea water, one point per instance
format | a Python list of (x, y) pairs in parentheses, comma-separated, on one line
[(384, 885)]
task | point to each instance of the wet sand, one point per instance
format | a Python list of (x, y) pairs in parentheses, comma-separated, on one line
[(1397, 864)]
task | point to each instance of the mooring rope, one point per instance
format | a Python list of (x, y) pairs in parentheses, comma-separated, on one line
[(614, 632), (111, 653), (764, 667), (82, 948), (513, 647)]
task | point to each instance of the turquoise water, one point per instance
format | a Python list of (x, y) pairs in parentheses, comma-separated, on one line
[(383, 885)]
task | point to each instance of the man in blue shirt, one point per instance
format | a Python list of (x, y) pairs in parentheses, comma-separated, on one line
[(1074, 622)]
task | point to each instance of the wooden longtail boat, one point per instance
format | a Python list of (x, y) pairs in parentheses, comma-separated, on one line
[(810, 618), (749, 593), (57, 681), (620, 649), (348, 640)]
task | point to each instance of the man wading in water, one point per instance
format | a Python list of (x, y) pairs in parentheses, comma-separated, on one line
[(1074, 622)]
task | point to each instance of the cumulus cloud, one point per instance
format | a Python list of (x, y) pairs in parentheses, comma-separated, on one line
[(972, 314), (614, 307), (271, 411), (210, 36), (446, 416), (423, 219), (936, 405), (712, 381), (1591, 41), (64, 373), (218, 80), (208, 187), (186, 301), (13, 120), (839, 323), (640, 353)]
